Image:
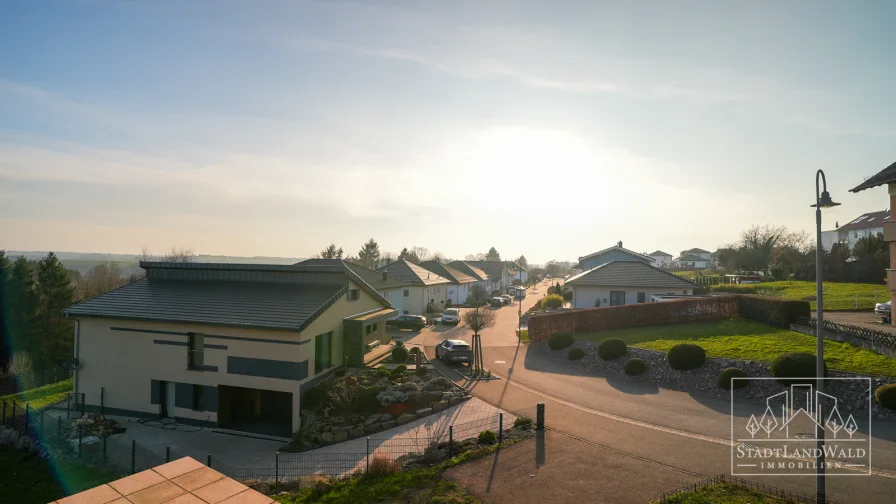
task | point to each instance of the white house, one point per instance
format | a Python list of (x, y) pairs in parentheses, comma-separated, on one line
[(396, 291), (228, 346), (692, 261), (461, 283), (615, 253), (423, 286), (699, 252), (624, 282), (661, 259), (863, 226)]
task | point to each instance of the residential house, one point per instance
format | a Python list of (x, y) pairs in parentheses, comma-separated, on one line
[(661, 259), (614, 253), (624, 282), (461, 283), (387, 286), (501, 274), (482, 280), (424, 287), (229, 346), (692, 261), (863, 226), (703, 254)]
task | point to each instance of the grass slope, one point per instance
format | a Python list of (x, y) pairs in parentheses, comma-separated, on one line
[(26, 478), (837, 296), (749, 340), (725, 493), (43, 396)]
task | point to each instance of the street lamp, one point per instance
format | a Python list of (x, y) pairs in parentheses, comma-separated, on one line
[(822, 200)]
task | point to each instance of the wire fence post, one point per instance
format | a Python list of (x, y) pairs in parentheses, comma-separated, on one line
[(4, 412), (27, 411), (167, 454), (367, 457), (104, 447), (500, 427), (450, 441), (82, 404), (102, 401), (133, 456), (208, 460), (59, 430), (13, 411), (79, 440), (539, 416), (276, 471)]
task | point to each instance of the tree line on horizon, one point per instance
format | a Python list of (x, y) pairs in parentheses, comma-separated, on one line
[(372, 257)]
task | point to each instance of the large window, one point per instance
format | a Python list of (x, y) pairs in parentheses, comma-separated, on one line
[(198, 398), (323, 351), (642, 297), (196, 351), (407, 293)]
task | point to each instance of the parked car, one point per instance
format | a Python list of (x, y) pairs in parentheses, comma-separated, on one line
[(412, 322), (451, 316), (497, 302), (454, 351), (508, 299), (884, 310)]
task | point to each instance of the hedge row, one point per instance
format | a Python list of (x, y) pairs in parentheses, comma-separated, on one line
[(775, 311)]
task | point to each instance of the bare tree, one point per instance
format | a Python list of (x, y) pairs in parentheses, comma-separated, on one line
[(474, 257), (477, 320), (101, 278), (145, 255), (179, 255)]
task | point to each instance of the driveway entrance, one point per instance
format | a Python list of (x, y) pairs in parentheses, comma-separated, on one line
[(254, 410)]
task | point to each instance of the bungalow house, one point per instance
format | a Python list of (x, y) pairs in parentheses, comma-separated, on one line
[(699, 252), (468, 269), (863, 226), (424, 287), (692, 261), (661, 259), (231, 346), (614, 253), (624, 282), (501, 274), (461, 283), (386, 285)]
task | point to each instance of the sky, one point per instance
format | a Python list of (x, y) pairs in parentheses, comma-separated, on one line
[(550, 129)]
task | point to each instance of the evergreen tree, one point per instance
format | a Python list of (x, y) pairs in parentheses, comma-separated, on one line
[(492, 255), (55, 293), (522, 261), (20, 300), (369, 255), (331, 252)]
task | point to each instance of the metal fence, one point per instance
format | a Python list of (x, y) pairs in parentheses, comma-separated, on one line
[(752, 485), (873, 336)]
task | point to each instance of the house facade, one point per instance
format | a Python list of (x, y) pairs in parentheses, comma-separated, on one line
[(459, 289), (614, 253), (692, 261), (661, 259), (624, 282), (228, 346), (863, 226), (423, 286)]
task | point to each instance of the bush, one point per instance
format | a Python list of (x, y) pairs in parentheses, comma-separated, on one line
[(398, 373), (399, 343), (552, 301), (367, 401), (522, 423), (399, 354), (775, 311), (383, 371), (566, 294), (560, 340), (791, 366), (381, 465), (317, 396), (575, 353), (487, 437), (635, 366), (612, 348), (886, 396), (685, 356), (726, 382), (344, 399), (438, 383), (414, 351), (391, 396)]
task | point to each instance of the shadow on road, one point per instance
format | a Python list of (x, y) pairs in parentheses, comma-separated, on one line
[(623, 384)]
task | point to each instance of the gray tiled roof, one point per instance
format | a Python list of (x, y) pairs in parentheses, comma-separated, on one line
[(373, 278), (659, 253), (698, 251), (448, 272), (469, 269), (619, 248), (494, 269), (885, 176), (411, 273), (239, 303), (692, 257), (629, 274), (866, 221)]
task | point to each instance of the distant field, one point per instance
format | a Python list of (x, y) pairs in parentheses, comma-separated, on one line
[(837, 296), (692, 274)]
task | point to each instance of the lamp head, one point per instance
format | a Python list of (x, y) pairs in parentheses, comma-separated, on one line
[(825, 201)]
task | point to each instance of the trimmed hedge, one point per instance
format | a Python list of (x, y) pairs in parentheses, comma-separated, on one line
[(552, 301), (399, 354), (576, 353), (775, 311), (612, 348), (522, 422), (635, 366), (791, 366), (726, 382), (560, 340), (685, 356), (487, 437), (886, 396)]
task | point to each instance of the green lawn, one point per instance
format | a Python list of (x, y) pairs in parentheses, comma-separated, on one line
[(837, 296), (725, 493), (43, 396), (26, 478), (524, 336), (749, 340)]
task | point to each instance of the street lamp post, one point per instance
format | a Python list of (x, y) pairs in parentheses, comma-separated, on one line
[(822, 200)]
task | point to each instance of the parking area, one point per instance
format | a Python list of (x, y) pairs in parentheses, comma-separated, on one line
[(863, 318)]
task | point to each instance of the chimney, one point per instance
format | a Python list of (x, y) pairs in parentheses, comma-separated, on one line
[(620, 244), (384, 276)]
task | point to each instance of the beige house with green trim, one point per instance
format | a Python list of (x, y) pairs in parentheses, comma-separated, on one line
[(228, 346)]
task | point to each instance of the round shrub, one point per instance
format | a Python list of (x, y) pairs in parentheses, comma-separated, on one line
[(686, 356), (414, 350), (560, 340), (576, 353), (399, 354), (635, 366), (383, 371), (886, 396), (487, 437), (399, 343), (612, 348), (552, 301), (789, 367), (522, 423), (318, 395), (726, 382)]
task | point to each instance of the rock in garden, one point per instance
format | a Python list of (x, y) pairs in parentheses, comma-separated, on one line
[(439, 406), (372, 420), (374, 427), (388, 424), (455, 400), (342, 428), (424, 412), (356, 432), (406, 417), (385, 417), (340, 436), (327, 437)]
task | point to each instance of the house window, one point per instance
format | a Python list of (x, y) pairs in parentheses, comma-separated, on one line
[(407, 293), (196, 351), (353, 295), (367, 330), (198, 398), (642, 297), (323, 346), (685, 292), (617, 298), (376, 326)]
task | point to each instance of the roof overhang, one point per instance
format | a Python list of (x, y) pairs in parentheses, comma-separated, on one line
[(374, 315)]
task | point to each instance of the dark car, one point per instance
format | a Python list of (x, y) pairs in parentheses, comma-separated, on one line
[(454, 351), (497, 302), (413, 322)]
